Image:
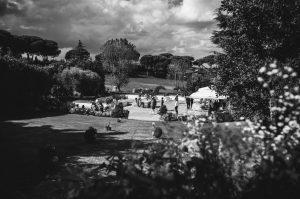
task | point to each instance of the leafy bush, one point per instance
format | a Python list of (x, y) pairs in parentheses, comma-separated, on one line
[(84, 81), (23, 86), (224, 117), (48, 159), (90, 135), (95, 66)]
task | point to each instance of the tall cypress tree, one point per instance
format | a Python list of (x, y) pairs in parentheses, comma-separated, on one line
[(79, 52)]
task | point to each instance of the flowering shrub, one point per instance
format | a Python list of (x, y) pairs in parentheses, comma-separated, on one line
[(278, 175)]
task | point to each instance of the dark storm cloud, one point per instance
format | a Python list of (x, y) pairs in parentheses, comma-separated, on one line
[(10, 7), (153, 26)]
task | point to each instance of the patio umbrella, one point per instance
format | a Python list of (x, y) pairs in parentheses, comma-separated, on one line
[(206, 93)]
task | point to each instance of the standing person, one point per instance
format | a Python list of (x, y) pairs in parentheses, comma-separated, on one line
[(191, 102), (153, 104), (139, 101), (187, 101), (176, 106), (162, 102)]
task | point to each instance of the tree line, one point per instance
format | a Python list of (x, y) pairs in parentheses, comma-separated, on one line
[(29, 45), (117, 57), (166, 65)]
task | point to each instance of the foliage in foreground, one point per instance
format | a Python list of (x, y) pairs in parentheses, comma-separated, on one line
[(251, 34), (262, 161)]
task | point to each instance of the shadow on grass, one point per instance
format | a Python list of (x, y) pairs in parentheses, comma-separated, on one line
[(28, 115), (19, 146)]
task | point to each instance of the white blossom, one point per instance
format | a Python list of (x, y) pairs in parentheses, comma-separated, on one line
[(262, 69), (260, 79), (273, 65)]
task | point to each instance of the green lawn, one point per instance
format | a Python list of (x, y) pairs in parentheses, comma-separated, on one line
[(146, 82), (22, 138)]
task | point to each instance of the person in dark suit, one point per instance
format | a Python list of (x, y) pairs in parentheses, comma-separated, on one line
[(187, 101), (153, 104), (191, 102), (162, 102)]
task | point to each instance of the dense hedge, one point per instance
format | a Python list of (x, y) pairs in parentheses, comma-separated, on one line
[(27, 86), (22, 85)]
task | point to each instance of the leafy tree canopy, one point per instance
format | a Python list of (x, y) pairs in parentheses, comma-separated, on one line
[(117, 56), (168, 55), (79, 52), (251, 34), (116, 50), (181, 63), (264, 28), (210, 59), (157, 65), (31, 45)]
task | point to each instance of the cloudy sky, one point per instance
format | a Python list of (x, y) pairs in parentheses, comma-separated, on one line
[(181, 27)]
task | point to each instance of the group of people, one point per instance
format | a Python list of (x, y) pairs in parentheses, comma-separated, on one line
[(98, 106), (153, 103), (189, 102)]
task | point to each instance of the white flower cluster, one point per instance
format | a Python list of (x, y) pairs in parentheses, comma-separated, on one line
[(258, 140), (284, 134)]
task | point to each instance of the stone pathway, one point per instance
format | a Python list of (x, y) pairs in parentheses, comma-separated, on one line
[(145, 114)]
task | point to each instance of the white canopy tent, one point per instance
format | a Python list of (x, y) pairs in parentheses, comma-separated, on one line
[(206, 93)]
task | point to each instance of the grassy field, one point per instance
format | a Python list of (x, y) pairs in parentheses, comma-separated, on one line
[(21, 139), (146, 82)]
